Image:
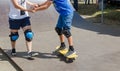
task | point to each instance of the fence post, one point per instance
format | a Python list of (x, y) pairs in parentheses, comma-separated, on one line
[(102, 12)]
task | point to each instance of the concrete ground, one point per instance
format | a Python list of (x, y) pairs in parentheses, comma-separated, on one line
[(97, 45), (5, 64)]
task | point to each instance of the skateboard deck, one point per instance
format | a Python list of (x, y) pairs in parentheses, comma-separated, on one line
[(70, 58)]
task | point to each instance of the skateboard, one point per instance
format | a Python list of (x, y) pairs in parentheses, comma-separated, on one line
[(62, 53)]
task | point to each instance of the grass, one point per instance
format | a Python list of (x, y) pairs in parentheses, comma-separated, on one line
[(111, 14)]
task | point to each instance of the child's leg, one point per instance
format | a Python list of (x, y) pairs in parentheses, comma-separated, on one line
[(70, 41), (26, 26), (29, 46), (68, 35), (13, 37), (61, 37), (59, 31), (28, 36), (14, 26), (66, 31), (62, 40)]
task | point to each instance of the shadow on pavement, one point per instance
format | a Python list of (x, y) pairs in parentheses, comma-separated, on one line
[(36, 55), (2, 57), (81, 23)]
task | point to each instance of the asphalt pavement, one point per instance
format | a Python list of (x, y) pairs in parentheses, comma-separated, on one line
[(97, 45)]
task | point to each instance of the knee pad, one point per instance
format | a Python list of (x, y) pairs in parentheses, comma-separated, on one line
[(67, 33), (14, 36), (28, 35), (58, 30)]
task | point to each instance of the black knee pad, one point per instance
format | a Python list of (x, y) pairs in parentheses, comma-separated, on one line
[(67, 33), (28, 35), (14, 36), (58, 30)]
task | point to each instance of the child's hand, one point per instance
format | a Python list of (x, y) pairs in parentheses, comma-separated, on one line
[(31, 10), (34, 6)]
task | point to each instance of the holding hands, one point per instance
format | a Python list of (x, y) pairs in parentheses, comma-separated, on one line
[(37, 7), (32, 8)]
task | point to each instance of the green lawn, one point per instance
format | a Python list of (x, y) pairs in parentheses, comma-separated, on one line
[(111, 14)]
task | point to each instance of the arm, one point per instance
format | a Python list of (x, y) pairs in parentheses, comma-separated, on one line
[(44, 5), (16, 5)]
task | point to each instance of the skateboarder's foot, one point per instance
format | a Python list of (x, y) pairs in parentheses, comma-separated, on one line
[(60, 48), (69, 53), (13, 52)]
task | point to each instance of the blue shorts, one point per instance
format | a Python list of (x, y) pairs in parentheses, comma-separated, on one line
[(65, 21), (19, 23)]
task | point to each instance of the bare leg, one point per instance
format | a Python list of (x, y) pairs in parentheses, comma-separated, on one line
[(71, 48), (70, 41), (28, 44), (61, 38), (13, 41), (13, 44)]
